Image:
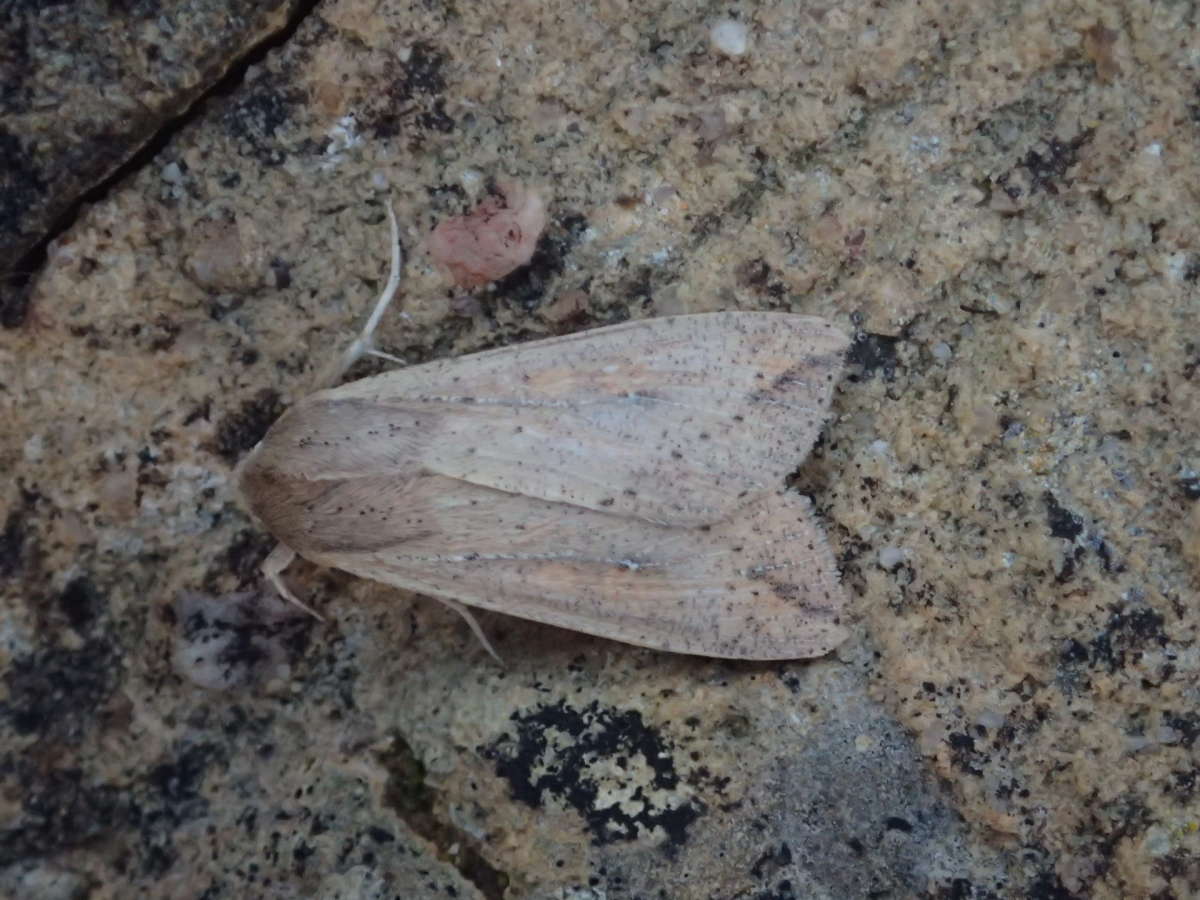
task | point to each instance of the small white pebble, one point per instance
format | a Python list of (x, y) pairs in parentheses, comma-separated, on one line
[(1177, 266), (942, 351), (1157, 842), (343, 135), (35, 448), (471, 181), (729, 37), (1137, 742), (999, 304), (1167, 735), (171, 173), (990, 718), (890, 557)]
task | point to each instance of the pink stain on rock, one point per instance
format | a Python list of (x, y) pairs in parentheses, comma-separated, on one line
[(497, 237)]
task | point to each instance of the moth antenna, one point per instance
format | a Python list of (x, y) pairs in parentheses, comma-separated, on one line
[(281, 557), (364, 344), (272, 567), (474, 624)]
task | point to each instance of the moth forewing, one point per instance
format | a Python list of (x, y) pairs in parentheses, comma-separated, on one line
[(671, 420), (621, 482), (760, 584)]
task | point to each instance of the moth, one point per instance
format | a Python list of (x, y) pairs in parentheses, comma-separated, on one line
[(626, 482)]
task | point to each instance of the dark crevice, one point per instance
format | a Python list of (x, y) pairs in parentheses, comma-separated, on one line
[(14, 288), (411, 798)]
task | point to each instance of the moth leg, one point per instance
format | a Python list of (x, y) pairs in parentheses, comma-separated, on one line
[(396, 359), (474, 625), (364, 344), (272, 567)]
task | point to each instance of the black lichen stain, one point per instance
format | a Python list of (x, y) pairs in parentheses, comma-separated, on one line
[(955, 889), (17, 547), (1182, 785), (447, 200), (242, 558), (1190, 488), (873, 353), (238, 432), (769, 864), (1067, 526), (414, 94), (57, 696), (1180, 867), (961, 889), (1193, 109), (21, 188), (560, 751), (56, 693), (243, 648), (423, 72), (1187, 724), (1070, 564), (436, 118), (17, 67), (177, 782), (80, 603), (60, 809), (257, 116), (1062, 522), (705, 226), (756, 275), (526, 287), (1046, 170), (12, 541), (1048, 886), (1109, 824), (1073, 653), (784, 890), (639, 287), (963, 755), (1127, 631), (165, 800)]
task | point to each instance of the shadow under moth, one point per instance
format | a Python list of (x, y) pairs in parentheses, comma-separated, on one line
[(626, 482)]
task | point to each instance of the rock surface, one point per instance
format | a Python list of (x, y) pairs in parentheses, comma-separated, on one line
[(84, 87), (998, 200)]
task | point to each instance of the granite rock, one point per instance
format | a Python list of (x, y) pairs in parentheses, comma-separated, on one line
[(998, 201), (86, 87)]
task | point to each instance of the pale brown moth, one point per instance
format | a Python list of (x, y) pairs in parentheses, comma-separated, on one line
[(626, 482)]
